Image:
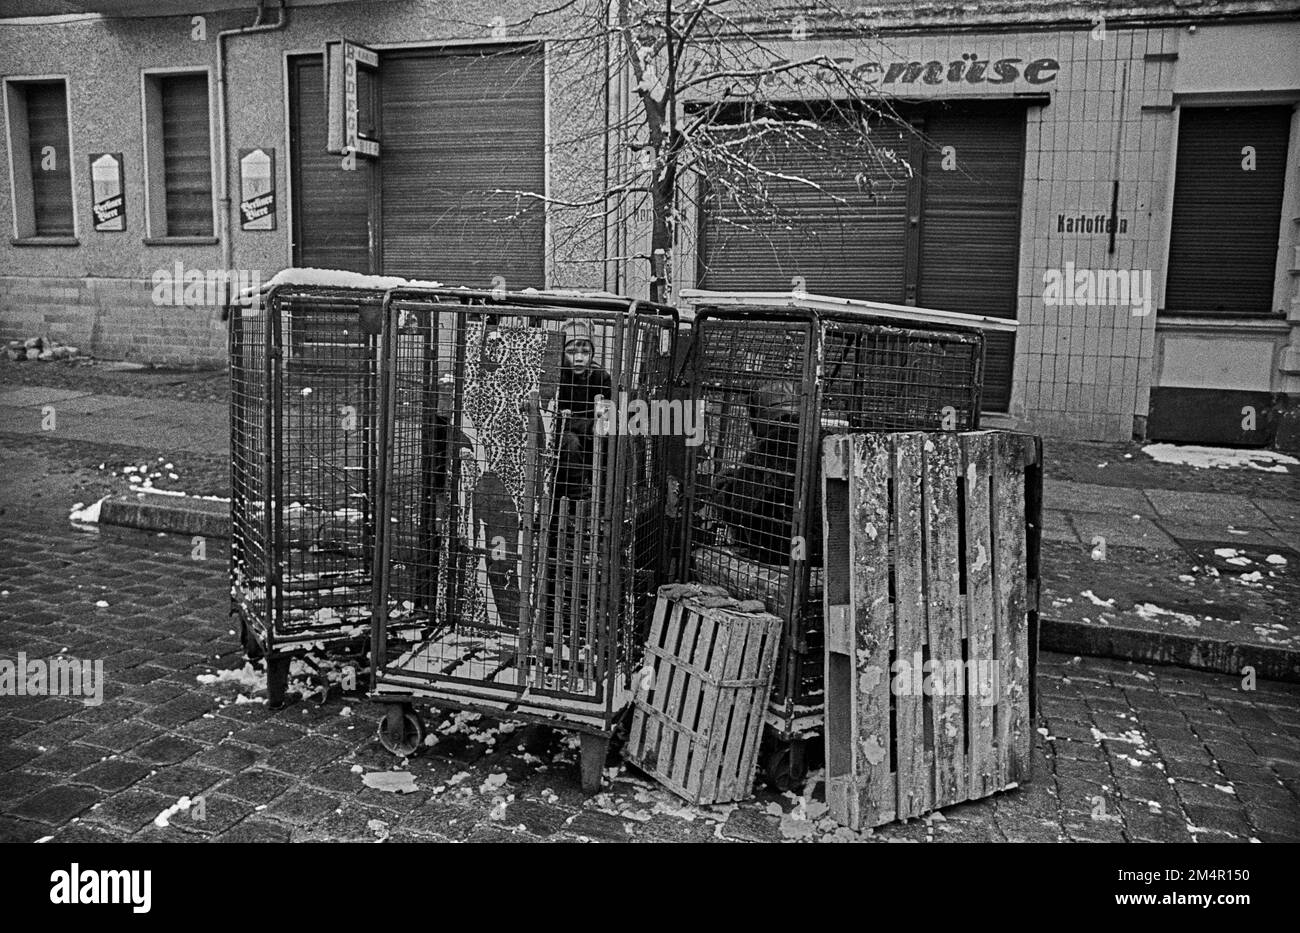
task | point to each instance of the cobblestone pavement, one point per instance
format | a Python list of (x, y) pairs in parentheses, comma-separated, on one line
[(1125, 752)]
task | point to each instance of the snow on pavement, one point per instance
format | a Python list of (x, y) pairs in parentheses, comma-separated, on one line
[(1222, 458)]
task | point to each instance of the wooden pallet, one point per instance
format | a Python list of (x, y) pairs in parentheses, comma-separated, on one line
[(930, 540), (701, 695)]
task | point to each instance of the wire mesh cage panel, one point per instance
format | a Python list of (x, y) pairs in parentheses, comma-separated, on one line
[(303, 459), (773, 381), (524, 478)]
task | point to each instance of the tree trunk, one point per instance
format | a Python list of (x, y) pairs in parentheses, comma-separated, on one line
[(661, 244)]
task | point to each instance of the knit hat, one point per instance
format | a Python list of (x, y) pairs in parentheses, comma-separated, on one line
[(774, 400), (577, 330)]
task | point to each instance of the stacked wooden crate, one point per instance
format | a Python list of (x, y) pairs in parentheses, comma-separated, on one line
[(702, 692), (931, 559)]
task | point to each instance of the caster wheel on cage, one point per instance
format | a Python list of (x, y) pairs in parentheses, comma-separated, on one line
[(277, 680), (786, 766), (252, 650), (594, 751), (401, 731)]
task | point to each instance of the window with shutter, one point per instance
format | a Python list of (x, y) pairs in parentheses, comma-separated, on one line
[(187, 154), (41, 164), (47, 134), (1227, 210)]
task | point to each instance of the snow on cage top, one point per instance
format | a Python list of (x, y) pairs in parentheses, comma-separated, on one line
[(250, 298), (695, 298), (332, 278)]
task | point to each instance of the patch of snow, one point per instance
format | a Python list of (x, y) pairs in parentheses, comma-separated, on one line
[(1222, 458), (1151, 612), (1096, 600), (1225, 552), (88, 515), (494, 782), (1276, 559), (1132, 736), (393, 782), (247, 676), (163, 820)]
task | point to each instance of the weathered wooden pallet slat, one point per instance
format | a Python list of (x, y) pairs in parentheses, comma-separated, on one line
[(698, 710), (927, 540), (943, 619), (975, 461), (1010, 568), (913, 784)]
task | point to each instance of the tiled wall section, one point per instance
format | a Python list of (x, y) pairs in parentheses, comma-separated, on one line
[(1085, 371), (110, 318)]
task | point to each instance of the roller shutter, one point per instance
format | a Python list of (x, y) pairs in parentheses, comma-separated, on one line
[(970, 224), (457, 127), (1226, 217), (331, 214), (47, 128), (187, 154), (839, 222), (854, 238)]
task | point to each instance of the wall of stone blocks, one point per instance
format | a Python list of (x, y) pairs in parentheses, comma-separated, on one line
[(110, 318)]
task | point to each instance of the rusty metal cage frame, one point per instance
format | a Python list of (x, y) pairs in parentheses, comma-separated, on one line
[(433, 322), (286, 447), (815, 337)]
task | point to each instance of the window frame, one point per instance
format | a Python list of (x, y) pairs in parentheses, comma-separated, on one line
[(154, 167), (22, 195), (1167, 316)]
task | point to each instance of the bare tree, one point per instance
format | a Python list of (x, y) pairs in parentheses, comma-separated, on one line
[(705, 99)]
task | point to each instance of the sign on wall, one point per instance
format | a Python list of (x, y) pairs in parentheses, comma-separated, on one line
[(257, 189), (343, 60), (107, 194)]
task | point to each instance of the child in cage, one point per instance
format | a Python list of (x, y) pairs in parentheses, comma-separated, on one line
[(756, 500), (581, 381)]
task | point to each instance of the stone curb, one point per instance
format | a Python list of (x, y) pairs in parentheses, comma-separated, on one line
[(1134, 644), (182, 515)]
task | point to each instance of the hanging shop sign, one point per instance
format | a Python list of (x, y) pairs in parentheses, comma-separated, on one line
[(107, 194), (257, 189), (343, 63)]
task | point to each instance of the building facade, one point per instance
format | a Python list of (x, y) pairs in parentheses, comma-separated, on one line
[(1124, 181)]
